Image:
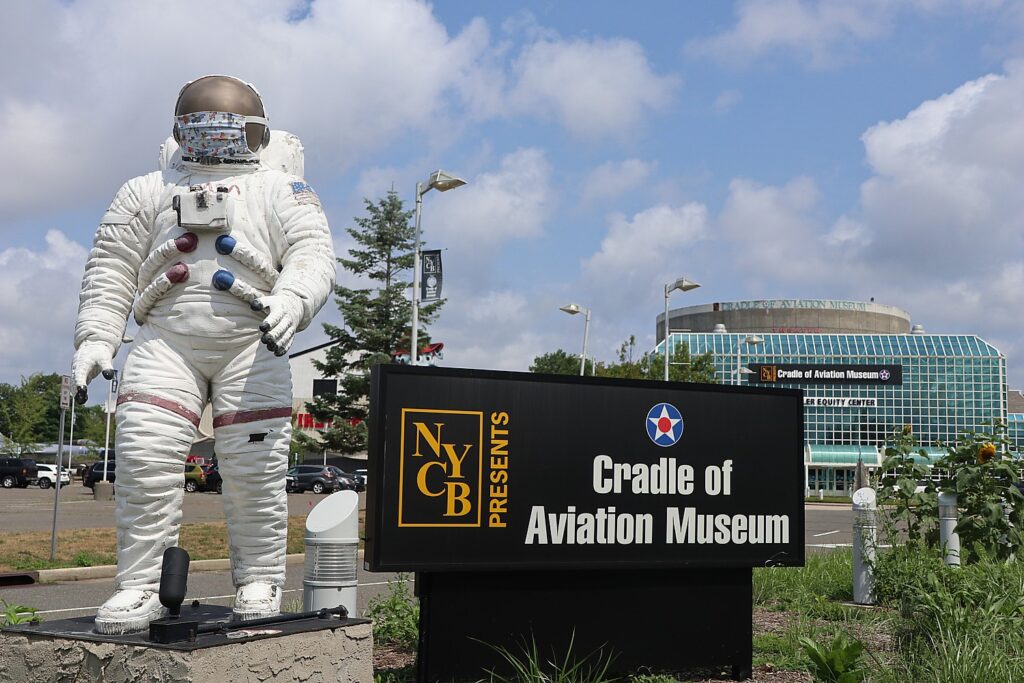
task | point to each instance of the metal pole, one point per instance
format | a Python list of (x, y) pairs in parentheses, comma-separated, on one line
[(414, 351), (112, 387), (737, 361), (865, 530), (948, 537), (56, 490), (665, 337), (586, 331)]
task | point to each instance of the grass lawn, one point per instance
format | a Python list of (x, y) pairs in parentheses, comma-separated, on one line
[(28, 550)]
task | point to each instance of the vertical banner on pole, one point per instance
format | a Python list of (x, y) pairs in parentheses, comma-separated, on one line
[(430, 283)]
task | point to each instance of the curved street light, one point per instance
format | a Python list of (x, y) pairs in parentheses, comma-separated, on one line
[(683, 285), (573, 309), (442, 182)]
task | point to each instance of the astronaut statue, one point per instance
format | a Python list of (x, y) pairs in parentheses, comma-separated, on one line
[(221, 259)]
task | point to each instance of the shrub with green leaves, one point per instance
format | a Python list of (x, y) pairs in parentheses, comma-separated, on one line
[(983, 475), (840, 662), (396, 615), (915, 512), (17, 614), (979, 470)]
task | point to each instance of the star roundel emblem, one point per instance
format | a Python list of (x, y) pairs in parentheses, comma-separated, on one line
[(664, 424), (884, 375)]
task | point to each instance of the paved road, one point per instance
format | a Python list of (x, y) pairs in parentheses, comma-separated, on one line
[(31, 509)]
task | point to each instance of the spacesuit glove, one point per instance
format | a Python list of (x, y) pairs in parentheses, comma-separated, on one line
[(91, 358), (284, 311)]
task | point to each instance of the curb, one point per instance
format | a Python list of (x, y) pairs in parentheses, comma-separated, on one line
[(108, 571)]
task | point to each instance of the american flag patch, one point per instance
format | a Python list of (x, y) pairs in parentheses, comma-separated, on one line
[(304, 194)]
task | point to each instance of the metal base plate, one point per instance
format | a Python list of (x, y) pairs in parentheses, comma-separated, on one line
[(81, 628)]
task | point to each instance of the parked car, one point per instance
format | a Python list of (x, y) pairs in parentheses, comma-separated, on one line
[(47, 476), (195, 478), (315, 478), (95, 473), (214, 482), (18, 472), (346, 481)]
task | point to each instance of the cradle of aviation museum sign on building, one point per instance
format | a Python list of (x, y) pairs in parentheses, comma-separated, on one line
[(493, 470)]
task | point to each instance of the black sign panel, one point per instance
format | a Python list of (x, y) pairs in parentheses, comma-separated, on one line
[(432, 275), (764, 373), (489, 470)]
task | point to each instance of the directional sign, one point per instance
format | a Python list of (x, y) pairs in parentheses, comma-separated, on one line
[(65, 392)]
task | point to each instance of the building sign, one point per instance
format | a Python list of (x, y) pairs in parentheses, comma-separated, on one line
[(764, 373), (478, 470), (839, 402), (812, 304)]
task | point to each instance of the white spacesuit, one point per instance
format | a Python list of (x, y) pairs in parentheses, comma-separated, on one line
[(222, 259)]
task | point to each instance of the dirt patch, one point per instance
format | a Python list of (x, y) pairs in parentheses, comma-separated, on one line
[(390, 657)]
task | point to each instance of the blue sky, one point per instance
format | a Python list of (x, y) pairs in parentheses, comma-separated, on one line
[(815, 149)]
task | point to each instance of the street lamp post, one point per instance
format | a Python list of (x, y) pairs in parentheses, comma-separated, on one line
[(683, 285), (442, 182), (573, 309), (751, 340)]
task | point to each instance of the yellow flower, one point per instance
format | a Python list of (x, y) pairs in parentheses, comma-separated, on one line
[(986, 453), (907, 429)]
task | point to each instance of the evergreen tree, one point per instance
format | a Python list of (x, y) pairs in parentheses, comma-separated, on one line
[(376, 322)]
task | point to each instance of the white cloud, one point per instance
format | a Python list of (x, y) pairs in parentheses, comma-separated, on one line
[(818, 31), (613, 179), (594, 87), (348, 77), (948, 177), (33, 282), (640, 252), (511, 202), (494, 329), (821, 33), (727, 101)]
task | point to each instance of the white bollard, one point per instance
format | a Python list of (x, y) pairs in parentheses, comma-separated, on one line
[(821, 494), (332, 547), (948, 537), (865, 539)]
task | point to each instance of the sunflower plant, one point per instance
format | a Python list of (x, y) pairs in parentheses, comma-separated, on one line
[(985, 478)]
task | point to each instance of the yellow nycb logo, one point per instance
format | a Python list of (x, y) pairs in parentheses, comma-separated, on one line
[(441, 475)]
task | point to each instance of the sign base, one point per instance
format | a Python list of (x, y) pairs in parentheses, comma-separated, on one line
[(660, 620), (69, 649)]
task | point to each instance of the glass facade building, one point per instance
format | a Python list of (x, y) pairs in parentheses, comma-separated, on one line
[(939, 385)]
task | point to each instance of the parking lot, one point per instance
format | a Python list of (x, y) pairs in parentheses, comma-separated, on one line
[(31, 509)]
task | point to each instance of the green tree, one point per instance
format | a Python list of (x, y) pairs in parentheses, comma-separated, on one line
[(559, 362), (30, 412), (682, 366), (376, 321)]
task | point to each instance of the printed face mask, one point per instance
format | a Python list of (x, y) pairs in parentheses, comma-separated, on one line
[(216, 136)]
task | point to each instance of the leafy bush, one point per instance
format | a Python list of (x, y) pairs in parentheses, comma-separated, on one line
[(839, 663), (17, 614), (396, 616), (979, 470), (529, 666)]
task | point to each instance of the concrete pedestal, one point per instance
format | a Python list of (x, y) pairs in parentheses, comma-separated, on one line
[(103, 490), (319, 652)]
